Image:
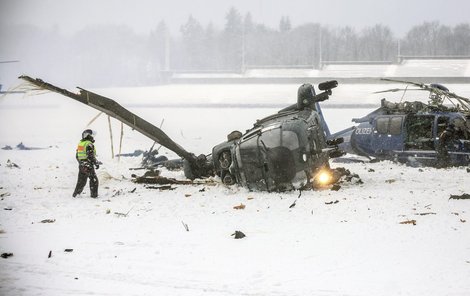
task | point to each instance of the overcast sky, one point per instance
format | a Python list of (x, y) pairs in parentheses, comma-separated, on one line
[(143, 15)]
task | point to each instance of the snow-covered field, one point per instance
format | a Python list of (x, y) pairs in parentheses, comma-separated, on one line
[(133, 242)]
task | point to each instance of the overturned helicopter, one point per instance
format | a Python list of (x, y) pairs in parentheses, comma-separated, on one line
[(284, 151), (411, 131)]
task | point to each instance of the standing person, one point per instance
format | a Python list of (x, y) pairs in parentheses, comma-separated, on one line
[(86, 157)]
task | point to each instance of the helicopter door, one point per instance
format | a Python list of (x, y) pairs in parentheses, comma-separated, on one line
[(419, 132), (388, 134)]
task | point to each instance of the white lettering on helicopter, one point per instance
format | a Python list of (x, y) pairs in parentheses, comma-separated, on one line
[(363, 131)]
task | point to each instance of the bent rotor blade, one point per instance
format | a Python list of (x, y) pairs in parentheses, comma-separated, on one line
[(421, 85), (113, 109)]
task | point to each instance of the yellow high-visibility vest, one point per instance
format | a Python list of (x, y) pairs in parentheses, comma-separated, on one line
[(81, 149)]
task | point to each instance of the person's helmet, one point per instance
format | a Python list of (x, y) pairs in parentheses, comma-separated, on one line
[(87, 134)]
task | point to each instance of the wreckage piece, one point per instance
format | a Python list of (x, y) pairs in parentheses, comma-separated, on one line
[(21, 146), (154, 177), (462, 196), (197, 165)]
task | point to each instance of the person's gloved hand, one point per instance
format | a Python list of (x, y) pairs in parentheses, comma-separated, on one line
[(97, 166)]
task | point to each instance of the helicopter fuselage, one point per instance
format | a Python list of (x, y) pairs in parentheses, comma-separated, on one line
[(412, 138), (281, 152)]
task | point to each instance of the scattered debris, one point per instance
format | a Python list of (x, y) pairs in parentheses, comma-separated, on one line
[(293, 204), (50, 254), (4, 194), (250, 198), (133, 190), (463, 196), (68, 250), (153, 177), (162, 187), (468, 170), (185, 226), (8, 209), (463, 221), (48, 221), (346, 176), (371, 170), (187, 195), (409, 222), (117, 192), (390, 181), (21, 146), (238, 234), (6, 255), (202, 189), (132, 154), (122, 214), (424, 214), (108, 211), (331, 202), (11, 165), (335, 187), (239, 207)]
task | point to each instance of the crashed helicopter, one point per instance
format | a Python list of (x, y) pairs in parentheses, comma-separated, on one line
[(284, 151), (410, 131)]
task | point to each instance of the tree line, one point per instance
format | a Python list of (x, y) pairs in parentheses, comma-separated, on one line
[(114, 55)]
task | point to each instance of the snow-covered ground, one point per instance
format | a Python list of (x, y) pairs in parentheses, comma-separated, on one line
[(133, 242)]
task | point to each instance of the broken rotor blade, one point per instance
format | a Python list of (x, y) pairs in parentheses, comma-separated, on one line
[(113, 109), (421, 85)]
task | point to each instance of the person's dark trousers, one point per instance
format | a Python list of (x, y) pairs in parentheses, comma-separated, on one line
[(86, 171)]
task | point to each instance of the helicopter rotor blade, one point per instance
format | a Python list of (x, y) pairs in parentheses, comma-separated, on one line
[(113, 109), (421, 85), (438, 91), (396, 89)]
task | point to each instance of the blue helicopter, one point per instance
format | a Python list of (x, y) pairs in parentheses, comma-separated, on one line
[(436, 133)]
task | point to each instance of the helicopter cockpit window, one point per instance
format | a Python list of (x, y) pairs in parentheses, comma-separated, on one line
[(395, 125), (382, 125), (271, 137), (389, 125)]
